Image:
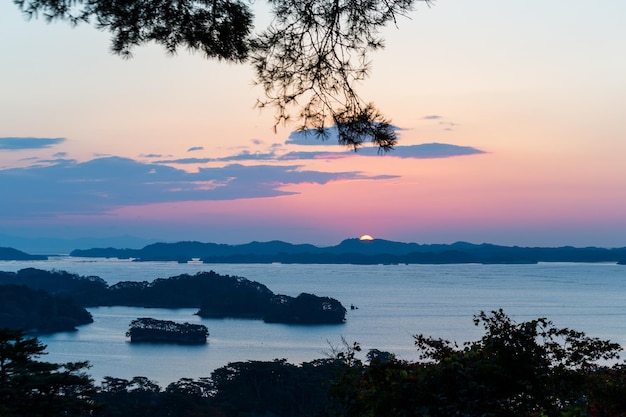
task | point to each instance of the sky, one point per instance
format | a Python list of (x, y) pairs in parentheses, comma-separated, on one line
[(510, 117)]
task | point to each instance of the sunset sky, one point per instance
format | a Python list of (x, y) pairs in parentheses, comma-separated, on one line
[(511, 115)]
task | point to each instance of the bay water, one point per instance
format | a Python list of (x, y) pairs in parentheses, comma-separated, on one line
[(392, 303)]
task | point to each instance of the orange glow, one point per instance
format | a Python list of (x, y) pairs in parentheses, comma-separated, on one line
[(366, 237)]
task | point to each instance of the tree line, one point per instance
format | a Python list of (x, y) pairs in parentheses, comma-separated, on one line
[(525, 369), (39, 311), (213, 294)]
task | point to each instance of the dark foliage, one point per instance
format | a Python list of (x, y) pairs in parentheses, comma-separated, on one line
[(120, 397), (217, 28), (23, 308), (140, 397), (517, 369), (273, 388), (305, 309), (309, 58), (152, 330), (252, 388), (87, 291), (312, 55), (226, 296), (29, 388), (215, 295), (528, 369)]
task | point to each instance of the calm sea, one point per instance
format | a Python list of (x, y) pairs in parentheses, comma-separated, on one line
[(393, 302)]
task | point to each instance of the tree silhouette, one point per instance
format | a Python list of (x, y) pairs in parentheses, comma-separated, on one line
[(526, 369), (307, 60), (29, 387)]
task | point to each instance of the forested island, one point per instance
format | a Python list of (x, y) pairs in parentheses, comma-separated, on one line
[(151, 330), (37, 311), (355, 251), (215, 296)]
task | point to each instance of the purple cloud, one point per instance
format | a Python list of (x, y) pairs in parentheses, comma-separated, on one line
[(185, 161), (422, 151), (20, 143), (99, 185)]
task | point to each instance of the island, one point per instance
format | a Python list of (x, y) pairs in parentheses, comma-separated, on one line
[(304, 309), (165, 331), (37, 311), (215, 295), (356, 252), (11, 254)]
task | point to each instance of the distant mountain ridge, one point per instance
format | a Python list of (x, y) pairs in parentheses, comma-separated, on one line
[(356, 251), (57, 246)]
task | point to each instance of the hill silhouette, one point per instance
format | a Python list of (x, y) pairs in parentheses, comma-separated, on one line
[(38, 311), (11, 254), (355, 251), (215, 295)]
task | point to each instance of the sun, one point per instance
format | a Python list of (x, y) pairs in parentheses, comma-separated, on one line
[(366, 237)]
